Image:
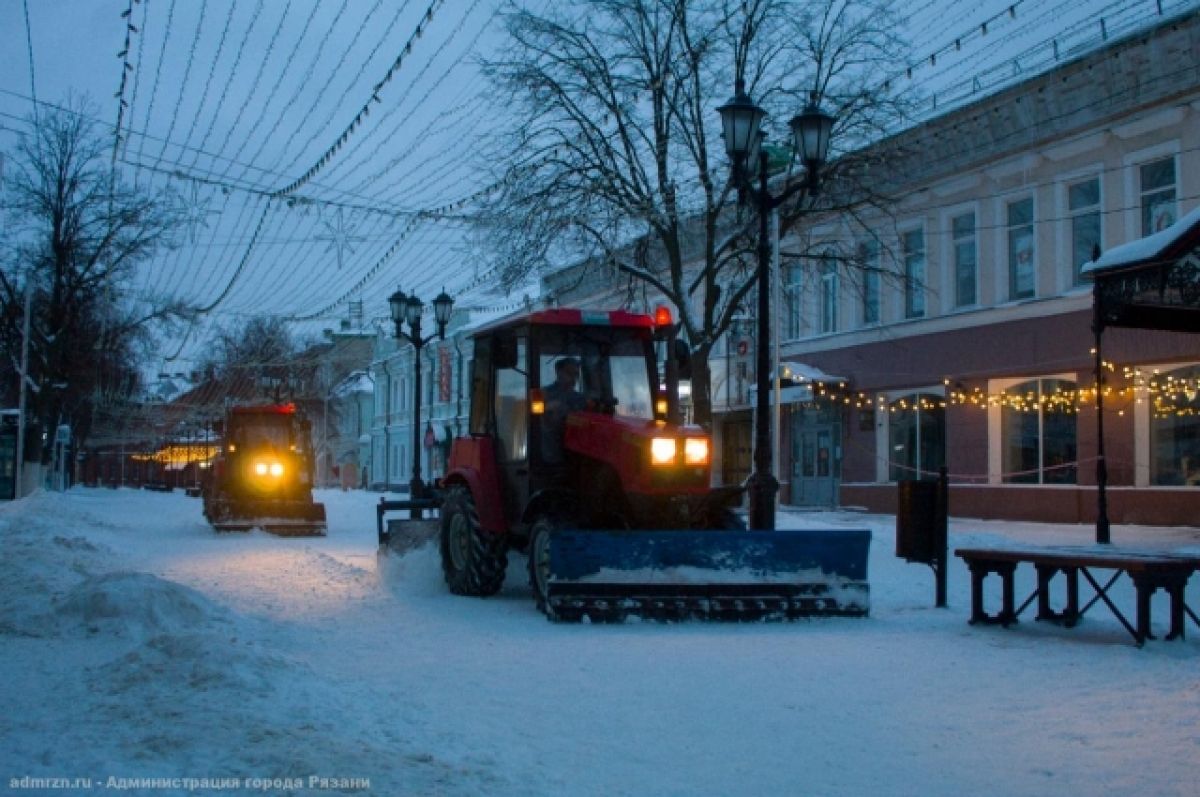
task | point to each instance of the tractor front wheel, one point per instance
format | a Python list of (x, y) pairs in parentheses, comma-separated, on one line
[(539, 562), (473, 560)]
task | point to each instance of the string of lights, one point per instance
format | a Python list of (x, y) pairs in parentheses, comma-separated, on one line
[(212, 73), (126, 69), (404, 111), (137, 77), (233, 70), (183, 84), (318, 129), (366, 107), (272, 95)]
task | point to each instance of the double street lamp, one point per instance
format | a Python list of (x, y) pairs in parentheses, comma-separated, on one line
[(408, 309), (741, 122)]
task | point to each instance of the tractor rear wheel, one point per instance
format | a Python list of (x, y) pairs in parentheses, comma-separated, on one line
[(539, 562), (473, 561)]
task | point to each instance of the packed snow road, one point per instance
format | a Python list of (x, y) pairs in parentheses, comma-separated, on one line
[(138, 644)]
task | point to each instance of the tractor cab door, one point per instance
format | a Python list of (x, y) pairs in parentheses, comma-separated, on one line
[(508, 417)]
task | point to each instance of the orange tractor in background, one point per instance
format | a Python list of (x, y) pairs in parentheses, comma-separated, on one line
[(263, 475)]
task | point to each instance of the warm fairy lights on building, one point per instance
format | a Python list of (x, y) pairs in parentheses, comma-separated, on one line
[(1169, 395), (179, 456)]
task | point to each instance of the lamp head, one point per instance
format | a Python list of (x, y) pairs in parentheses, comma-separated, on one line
[(412, 310), (811, 130), (397, 302), (443, 304), (740, 123)]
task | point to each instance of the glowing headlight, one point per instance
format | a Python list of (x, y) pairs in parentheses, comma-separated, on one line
[(262, 468), (695, 451), (662, 450)]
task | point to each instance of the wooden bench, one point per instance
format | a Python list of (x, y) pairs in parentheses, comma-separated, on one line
[(1149, 571)]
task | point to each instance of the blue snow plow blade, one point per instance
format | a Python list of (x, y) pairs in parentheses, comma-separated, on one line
[(717, 575)]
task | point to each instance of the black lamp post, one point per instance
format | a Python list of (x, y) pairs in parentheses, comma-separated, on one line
[(741, 121), (409, 309)]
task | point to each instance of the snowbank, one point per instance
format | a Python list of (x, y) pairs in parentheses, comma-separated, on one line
[(139, 643)]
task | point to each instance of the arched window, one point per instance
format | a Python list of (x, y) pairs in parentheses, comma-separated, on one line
[(1037, 432), (916, 436), (1175, 427)]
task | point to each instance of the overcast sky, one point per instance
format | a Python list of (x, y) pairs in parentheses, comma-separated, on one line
[(228, 102)]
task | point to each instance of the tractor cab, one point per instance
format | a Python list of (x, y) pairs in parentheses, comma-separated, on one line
[(516, 403)]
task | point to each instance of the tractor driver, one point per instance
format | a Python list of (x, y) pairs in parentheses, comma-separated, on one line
[(561, 398)]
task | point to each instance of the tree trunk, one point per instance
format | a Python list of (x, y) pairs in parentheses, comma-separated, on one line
[(701, 389)]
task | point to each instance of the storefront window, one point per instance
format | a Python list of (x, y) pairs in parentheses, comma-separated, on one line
[(916, 436), (1175, 428), (1037, 429)]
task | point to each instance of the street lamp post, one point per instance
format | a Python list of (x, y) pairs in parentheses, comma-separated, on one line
[(741, 122), (408, 309)]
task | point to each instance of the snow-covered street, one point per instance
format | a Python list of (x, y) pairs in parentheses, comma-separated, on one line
[(137, 643)]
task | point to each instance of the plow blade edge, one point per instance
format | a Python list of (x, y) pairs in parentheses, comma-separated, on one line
[(284, 518), (716, 575)]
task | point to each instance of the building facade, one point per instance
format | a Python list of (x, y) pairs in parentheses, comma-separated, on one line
[(444, 405), (955, 331)]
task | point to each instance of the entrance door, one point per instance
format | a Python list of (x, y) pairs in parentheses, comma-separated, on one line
[(736, 451), (816, 465)]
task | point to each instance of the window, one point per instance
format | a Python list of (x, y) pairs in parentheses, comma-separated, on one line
[(792, 295), (829, 294), (511, 406), (1037, 432), (1021, 260), (916, 436), (1083, 205), (868, 256), (1158, 195), (913, 243), (1175, 427), (965, 259)]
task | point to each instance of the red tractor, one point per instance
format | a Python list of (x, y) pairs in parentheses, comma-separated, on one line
[(611, 501), (263, 475)]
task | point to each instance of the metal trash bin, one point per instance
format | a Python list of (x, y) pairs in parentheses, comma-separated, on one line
[(922, 509)]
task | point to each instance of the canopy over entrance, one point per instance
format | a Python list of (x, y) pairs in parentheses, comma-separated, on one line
[(1150, 283)]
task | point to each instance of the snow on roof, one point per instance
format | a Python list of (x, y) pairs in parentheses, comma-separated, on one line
[(356, 382), (1149, 248)]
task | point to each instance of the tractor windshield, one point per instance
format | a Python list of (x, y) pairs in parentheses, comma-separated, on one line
[(614, 366), (264, 431)]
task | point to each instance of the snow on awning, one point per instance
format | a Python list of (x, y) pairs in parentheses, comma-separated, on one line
[(802, 372), (1153, 247), (797, 381)]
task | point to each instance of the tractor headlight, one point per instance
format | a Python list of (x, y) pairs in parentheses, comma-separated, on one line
[(662, 450), (695, 451), (264, 468)]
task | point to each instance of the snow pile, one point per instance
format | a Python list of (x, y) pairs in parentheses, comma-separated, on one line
[(134, 605), (137, 642)]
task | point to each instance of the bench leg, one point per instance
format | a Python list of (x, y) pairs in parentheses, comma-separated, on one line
[(1008, 614), (1069, 615), (978, 615), (1177, 621), (979, 571)]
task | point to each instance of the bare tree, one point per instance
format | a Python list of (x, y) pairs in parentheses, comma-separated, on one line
[(73, 238), (620, 165)]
